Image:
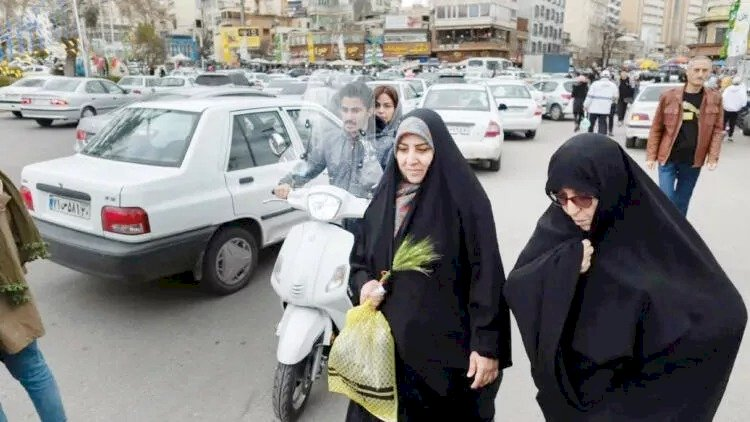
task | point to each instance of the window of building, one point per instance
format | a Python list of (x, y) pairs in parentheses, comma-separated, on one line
[(513, 13), (533, 47), (536, 11), (462, 11), (473, 10), (484, 9), (441, 12), (546, 32), (546, 14), (720, 35)]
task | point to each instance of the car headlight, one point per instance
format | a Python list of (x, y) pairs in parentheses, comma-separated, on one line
[(338, 278), (323, 206)]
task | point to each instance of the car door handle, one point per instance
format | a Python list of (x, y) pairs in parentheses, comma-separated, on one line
[(246, 180)]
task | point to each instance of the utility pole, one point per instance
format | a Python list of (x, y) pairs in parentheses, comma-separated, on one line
[(242, 12), (81, 40), (112, 21)]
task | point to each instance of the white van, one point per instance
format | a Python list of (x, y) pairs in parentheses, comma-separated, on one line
[(484, 67)]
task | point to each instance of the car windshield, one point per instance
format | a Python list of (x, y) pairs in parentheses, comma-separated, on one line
[(29, 83), (172, 82), (213, 80), (156, 137), (475, 63), (130, 81), (510, 91), (652, 93), (451, 99), (65, 85)]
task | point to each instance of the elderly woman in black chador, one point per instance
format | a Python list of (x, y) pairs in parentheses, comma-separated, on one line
[(623, 310), (451, 326)]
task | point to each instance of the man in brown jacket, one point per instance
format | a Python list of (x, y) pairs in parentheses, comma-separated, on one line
[(20, 323), (687, 133)]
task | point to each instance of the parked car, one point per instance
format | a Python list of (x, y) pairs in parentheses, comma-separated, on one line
[(559, 97), (222, 78), (140, 85), (174, 186), (538, 96), (522, 113), (90, 126), (419, 85), (70, 99), (10, 96), (408, 97), (169, 83), (450, 78), (641, 113), (258, 79), (473, 119), (287, 88)]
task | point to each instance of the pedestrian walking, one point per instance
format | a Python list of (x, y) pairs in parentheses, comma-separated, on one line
[(734, 99), (625, 97), (624, 312), (20, 323), (450, 325), (602, 94), (579, 92), (686, 134)]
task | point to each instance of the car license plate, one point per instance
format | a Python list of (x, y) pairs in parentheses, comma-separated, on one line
[(459, 130), (80, 209)]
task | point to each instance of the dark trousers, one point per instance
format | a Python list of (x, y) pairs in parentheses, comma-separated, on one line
[(622, 108), (578, 112), (677, 181), (612, 111), (601, 122), (730, 118)]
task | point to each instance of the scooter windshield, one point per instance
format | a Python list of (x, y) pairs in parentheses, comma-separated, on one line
[(340, 134)]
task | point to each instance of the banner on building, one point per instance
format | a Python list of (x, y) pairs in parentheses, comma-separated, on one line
[(310, 48), (403, 22), (406, 49), (739, 26), (234, 40)]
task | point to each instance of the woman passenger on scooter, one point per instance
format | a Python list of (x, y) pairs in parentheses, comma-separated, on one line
[(451, 326)]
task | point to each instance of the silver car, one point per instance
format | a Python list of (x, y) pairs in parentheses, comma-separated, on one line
[(559, 94), (140, 84), (10, 96), (71, 99), (169, 83), (90, 126)]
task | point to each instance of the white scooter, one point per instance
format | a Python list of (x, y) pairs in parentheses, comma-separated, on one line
[(311, 276)]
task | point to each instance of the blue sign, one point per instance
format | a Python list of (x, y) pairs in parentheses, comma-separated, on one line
[(183, 44)]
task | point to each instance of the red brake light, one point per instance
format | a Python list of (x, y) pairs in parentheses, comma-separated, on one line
[(493, 129), (80, 135), (137, 91), (566, 96), (538, 111), (639, 117), (28, 200), (128, 220), (25, 100), (58, 101)]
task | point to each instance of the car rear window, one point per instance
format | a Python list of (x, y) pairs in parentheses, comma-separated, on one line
[(131, 81), (157, 137), (652, 93), (172, 82), (510, 91), (449, 99), (213, 80), (153, 82)]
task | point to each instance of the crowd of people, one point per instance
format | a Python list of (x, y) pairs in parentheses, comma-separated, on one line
[(616, 325)]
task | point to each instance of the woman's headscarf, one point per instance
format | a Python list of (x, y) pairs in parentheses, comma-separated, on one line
[(653, 285)]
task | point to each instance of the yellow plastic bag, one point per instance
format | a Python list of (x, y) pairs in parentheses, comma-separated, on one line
[(362, 363)]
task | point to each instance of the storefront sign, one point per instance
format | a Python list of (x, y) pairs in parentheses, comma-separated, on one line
[(403, 22), (411, 37), (406, 49)]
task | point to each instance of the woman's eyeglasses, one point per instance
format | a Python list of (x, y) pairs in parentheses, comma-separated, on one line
[(580, 201)]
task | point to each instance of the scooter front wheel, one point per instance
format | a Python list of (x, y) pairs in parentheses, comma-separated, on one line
[(291, 388)]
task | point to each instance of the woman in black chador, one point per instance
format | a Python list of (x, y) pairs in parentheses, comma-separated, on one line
[(451, 326), (623, 310)]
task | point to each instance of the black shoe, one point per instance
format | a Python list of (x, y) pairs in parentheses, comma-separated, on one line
[(610, 134), (730, 139), (576, 129)]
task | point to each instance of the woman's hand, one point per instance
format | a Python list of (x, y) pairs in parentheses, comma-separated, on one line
[(588, 250), (484, 370), (372, 291)]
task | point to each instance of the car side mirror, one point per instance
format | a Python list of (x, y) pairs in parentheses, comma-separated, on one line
[(277, 144), (502, 107), (308, 125)]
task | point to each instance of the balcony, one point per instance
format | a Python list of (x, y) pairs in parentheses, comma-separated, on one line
[(482, 21), (472, 46)]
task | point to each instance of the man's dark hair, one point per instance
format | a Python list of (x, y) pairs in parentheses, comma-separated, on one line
[(356, 89)]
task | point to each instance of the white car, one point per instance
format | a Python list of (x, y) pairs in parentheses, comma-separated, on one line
[(521, 112), (473, 119), (641, 113), (10, 96), (559, 94), (170, 83), (538, 96), (408, 97), (140, 85), (175, 186)]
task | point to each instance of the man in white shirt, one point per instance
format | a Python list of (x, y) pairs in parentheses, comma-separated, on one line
[(734, 99), (602, 94)]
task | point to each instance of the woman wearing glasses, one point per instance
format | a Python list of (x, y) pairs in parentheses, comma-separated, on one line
[(623, 310)]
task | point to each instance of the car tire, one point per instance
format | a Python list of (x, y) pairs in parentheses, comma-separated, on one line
[(494, 165), (630, 142), (17, 114), (88, 112), (746, 131), (640, 143), (530, 134), (556, 113), (44, 122), (229, 244)]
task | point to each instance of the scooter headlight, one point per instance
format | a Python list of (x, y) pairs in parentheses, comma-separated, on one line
[(339, 277), (323, 206)]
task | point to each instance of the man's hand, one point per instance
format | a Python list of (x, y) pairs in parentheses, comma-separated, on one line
[(372, 291), (484, 370), (712, 165), (588, 250), (282, 190), (651, 164)]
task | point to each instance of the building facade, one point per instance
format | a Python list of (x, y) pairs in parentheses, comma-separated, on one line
[(712, 29), (664, 26), (407, 36), (546, 23), (473, 29), (587, 22)]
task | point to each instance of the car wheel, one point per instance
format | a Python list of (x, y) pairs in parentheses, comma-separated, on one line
[(44, 122), (88, 112), (629, 142), (229, 261), (494, 165), (746, 131), (530, 134), (17, 114), (555, 112), (640, 143)]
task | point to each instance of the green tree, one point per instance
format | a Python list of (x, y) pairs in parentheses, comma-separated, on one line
[(148, 45)]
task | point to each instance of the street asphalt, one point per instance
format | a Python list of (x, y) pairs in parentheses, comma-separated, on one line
[(164, 351)]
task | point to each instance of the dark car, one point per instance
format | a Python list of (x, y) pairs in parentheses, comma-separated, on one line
[(222, 78)]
